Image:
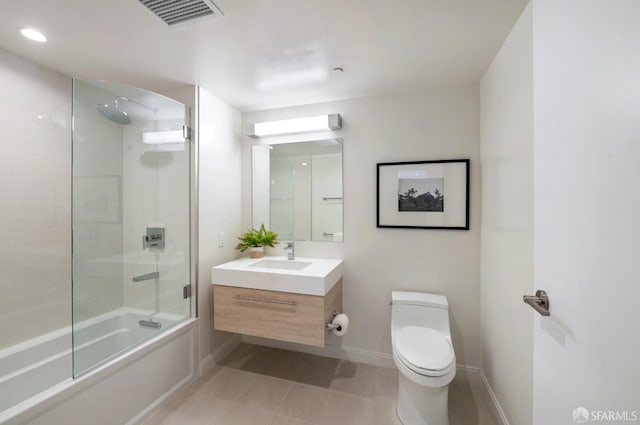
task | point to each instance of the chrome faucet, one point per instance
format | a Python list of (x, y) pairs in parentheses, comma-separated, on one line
[(291, 255)]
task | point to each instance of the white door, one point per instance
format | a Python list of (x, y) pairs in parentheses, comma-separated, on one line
[(587, 210)]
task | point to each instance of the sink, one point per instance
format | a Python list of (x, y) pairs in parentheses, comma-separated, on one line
[(311, 276), (278, 264)]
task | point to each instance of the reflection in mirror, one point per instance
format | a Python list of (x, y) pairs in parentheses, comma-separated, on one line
[(297, 189)]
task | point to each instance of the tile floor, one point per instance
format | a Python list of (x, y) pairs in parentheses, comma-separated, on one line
[(258, 385)]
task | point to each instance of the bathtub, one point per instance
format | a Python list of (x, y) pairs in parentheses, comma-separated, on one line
[(30, 370)]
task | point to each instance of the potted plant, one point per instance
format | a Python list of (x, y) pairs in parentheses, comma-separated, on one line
[(255, 240)]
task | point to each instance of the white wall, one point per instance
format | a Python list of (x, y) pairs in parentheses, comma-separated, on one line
[(219, 203), (506, 265), (35, 206), (587, 204), (440, 124)]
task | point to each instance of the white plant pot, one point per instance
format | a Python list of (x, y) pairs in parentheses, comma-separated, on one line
[(256, 252)]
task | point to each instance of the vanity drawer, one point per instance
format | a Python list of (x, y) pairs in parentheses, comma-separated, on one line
[(276, 315)]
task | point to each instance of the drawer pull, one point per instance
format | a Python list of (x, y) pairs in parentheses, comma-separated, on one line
[(263, 300)]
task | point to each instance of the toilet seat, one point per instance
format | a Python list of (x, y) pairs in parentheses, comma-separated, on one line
[(424, 350)]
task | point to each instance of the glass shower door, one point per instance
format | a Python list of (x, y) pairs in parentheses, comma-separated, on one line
[(131, 227)]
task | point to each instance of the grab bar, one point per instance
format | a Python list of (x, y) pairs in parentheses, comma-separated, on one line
[(332, 198), (148, 276), (263, 300)]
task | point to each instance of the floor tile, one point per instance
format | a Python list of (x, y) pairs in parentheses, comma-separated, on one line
[(200, 409), (267, 386), (347, 409), (229, 385), (388, 371), (284, 420), (267, 361), (318, 371), (355, 378), (339, 375), (238, 414), (385, 400), (304, 402), (265, 393)]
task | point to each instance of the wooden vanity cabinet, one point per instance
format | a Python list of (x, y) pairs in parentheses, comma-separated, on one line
[(276, 315)]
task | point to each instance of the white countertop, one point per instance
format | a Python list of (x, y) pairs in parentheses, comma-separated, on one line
[(315, 279)]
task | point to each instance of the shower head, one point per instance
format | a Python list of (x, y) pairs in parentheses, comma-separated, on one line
[(114, 113)]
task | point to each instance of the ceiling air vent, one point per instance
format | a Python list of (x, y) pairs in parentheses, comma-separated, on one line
[(174, 12)]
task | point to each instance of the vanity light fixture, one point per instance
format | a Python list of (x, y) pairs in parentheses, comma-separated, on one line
[(296, 125), (32, 34)]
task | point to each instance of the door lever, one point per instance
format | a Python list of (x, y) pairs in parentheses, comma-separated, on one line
[(539, 302)]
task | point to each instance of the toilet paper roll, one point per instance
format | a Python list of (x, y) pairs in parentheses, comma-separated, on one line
[(342, 320)]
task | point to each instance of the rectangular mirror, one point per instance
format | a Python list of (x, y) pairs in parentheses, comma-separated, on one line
[(297, 189)]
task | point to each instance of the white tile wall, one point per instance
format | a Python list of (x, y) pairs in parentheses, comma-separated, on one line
[(97, 151), (156, 194), (35, 193)]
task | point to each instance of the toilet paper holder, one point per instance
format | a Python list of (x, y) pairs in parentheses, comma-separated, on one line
[(332, 326)]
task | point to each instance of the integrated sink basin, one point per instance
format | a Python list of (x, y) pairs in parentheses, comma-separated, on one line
[(311, 276), (280, 264)]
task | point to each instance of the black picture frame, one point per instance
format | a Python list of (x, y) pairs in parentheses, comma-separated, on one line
[(449, 179)]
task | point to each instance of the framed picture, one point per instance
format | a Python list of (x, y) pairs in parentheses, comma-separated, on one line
[(423, 194)]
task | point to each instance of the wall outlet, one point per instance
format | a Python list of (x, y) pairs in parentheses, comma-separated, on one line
[(220, 240)]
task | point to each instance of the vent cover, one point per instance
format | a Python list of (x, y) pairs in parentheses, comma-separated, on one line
[(174, 12)]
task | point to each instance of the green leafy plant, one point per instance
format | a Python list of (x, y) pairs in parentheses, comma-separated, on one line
[(256, 238)]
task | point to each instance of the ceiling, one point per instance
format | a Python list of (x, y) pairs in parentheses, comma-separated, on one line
[(268, 53)]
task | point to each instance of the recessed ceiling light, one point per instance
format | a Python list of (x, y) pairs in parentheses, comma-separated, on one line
[(304, 164), (32, 34), (338, 70)]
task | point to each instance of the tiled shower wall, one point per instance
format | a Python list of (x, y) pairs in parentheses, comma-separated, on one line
[(35, 206), (156, 195), (97, 230)]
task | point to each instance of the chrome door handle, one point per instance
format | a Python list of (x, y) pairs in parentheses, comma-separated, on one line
[(539, 302)]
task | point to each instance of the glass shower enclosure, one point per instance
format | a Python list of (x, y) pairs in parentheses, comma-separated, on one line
[(130, 219)]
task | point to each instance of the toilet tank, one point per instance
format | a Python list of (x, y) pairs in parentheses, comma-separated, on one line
[(420, 309)]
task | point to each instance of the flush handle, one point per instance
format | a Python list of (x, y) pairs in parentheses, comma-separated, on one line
[(539, 302)]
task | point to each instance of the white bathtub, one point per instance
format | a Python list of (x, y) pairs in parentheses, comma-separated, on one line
[(29, 369)]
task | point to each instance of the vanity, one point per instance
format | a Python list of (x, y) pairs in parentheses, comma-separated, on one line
[(276, 298), (296, 193)]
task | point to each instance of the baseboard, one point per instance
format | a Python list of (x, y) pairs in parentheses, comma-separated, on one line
[(497, 411), (209, 362), (336, 352)]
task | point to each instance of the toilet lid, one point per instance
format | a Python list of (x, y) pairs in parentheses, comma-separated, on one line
[(424, 348)]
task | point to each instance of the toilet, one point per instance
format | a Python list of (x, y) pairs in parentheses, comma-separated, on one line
[(424, 355)]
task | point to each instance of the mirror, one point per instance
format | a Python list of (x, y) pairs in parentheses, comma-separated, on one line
[(297, 189)]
